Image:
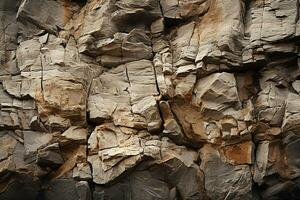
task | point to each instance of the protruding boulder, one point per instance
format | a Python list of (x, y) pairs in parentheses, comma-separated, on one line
[(115, 150), (45, 14), (216, 93)]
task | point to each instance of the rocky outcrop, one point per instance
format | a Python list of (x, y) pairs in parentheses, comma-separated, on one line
[(149, 99)]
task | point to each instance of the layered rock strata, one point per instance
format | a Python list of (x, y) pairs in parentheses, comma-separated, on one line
[(149, 99)]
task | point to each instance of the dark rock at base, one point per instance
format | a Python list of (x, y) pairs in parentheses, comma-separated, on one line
[(66, 189), (171, 180), (21, 187)]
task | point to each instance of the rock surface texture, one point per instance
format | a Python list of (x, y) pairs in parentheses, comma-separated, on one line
[(149, 99)]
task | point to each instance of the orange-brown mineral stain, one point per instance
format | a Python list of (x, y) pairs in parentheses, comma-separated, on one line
[(210, 22), (67, 11), (239, 153)]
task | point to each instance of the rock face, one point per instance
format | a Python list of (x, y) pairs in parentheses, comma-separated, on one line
[(149, 99)]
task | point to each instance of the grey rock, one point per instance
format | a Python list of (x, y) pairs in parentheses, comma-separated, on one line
[(224, 180), (66, 189), (21, 187), (83, 190), (282, 190), (50, 156), (34, 140), (82, 171), (47, 15), (151, 182), (291, 116)]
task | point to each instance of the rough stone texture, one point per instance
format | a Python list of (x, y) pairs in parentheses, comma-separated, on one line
[(149, 99)]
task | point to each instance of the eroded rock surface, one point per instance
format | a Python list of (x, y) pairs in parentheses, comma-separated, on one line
[(149, 99)]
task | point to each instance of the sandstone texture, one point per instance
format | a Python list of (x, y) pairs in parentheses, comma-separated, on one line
[(149, 99)]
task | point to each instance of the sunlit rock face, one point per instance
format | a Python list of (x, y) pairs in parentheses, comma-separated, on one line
[(149, 100)]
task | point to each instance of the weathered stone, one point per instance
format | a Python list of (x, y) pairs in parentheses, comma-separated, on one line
[(296, 86), (151, 182), (286, 189), (125, 101), (292, 113), (183, 9), (7, 145), (83, 190), (291, 146), (74, 157), (223, 180), (114, 151), (82, 171), (241, 153), (268, 155), (171, 127), (148, 108), (34, 140), (21, 187), (216, 93), (50, 156), (66, 189), (74, 134), (47, 15), (120, 95)]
